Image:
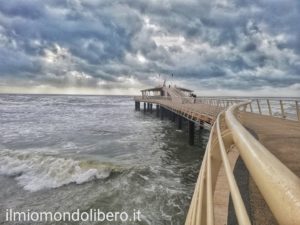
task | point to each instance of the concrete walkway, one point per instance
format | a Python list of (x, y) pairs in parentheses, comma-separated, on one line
[(282, 138)]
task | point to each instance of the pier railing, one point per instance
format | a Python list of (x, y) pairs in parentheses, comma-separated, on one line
[(147, 97), (284, 108), (279, 186), (229, 139)]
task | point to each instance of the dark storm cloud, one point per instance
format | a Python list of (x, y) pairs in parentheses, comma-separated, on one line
[(26, 9), (87, 43)]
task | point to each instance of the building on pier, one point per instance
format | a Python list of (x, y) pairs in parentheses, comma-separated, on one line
[(165, 91)]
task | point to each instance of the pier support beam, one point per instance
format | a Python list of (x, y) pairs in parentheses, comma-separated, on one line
[(173, 116), (137, 106), (148, 107), (151, 107), (144, 107), (167, 113), (162, 112), (179, 122), (201, 125), (157, 110), (170, 114), (191, 133)]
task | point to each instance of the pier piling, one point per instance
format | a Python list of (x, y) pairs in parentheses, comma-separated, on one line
[(201, 125), (191, 132), (170, 114), (173, 116), (137, 106), (167, 113), (179, 122), (157, 110), (162, 111)]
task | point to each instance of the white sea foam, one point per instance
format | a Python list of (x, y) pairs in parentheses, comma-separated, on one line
[(35, 172)]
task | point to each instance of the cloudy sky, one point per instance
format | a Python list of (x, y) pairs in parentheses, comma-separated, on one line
[(216, 47)]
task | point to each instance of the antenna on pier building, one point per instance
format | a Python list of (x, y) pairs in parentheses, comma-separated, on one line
[(165, 80)]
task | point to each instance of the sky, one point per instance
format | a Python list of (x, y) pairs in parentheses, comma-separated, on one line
[(215, 47)]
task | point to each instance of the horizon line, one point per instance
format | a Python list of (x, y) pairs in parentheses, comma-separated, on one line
[(130, 95)]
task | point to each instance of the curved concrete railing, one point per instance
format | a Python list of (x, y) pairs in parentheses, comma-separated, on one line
[(279, 186)]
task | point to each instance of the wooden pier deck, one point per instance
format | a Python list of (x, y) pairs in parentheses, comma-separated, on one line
[(251, 168)]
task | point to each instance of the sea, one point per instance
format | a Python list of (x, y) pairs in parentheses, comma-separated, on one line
[(61, 153)]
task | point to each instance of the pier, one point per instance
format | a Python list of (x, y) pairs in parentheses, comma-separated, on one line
[(251, 167)]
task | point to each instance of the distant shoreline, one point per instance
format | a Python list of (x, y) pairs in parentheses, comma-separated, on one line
[(109, 95), (65, 94)]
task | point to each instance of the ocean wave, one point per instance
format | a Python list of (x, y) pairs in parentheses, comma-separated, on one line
[(35, 172)]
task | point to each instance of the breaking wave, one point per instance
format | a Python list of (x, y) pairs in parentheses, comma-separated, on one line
[(36, 172)]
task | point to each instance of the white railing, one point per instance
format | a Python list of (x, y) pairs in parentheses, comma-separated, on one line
[(284, 108), (147, 97)]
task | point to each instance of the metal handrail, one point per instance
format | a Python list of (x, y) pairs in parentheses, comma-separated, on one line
[(264, 106), (278, 185), (267, 106)]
